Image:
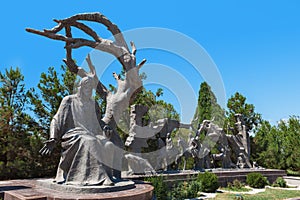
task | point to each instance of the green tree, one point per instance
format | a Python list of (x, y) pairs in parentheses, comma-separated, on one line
[(158, 108), (237, 104), (261, 141), (277, 146), (208, 107), (160, 188), (291, 132), (52, 89), (14, 126), (266, 146)]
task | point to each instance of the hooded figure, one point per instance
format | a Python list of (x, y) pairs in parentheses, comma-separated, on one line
[(77, 124)]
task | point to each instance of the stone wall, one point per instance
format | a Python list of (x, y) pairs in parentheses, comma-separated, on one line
[(224, 176)]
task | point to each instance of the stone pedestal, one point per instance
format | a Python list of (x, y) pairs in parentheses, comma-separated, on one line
[(224, 175), (44, 190)]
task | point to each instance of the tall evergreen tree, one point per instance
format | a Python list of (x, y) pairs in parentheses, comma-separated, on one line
[(14, 126), (208, 107), (52, 89)]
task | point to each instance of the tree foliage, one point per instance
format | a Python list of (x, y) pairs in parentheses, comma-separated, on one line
[(208, 107), (14, 126), (52, 87), (277, 146), (158, 109), (237, 104)]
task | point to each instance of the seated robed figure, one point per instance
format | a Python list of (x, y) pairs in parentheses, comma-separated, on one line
[(86, 157)]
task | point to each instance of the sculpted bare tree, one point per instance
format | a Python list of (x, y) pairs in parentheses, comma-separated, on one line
[(127, 88)]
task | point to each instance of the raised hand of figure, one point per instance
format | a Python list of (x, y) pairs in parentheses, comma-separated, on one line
[(48, 147)]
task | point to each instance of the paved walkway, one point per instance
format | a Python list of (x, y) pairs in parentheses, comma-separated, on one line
[(292, 181), (253, 191)]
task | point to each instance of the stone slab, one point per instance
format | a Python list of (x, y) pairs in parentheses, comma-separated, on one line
[(122, 185), (30, 190)]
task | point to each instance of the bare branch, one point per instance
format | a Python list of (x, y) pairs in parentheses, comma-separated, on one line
[(133, 48), (87, 30), (140, 65), (47, 33), (79, 42), (81, 26), (98, 17), (72, 42), (91, 66), (69, 61), (105, 45), (118, 48), (57, 28)]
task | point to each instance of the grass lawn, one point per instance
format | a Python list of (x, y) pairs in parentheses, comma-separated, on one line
[(271, 194)]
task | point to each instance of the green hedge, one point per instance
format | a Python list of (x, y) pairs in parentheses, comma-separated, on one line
[(280, 182), (208, 182), (256, 180)]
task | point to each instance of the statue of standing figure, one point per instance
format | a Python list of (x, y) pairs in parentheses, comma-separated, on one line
[(243, 134), (184, 151), (216, 135), (161, 162), (240, 143), (171, 151), (195, 148)]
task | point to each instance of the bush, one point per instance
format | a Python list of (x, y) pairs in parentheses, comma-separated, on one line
[(236, 184), (193, 189), (208, 182), (185, 190), (280, 182), (256, 180), (292, 173), (160, 188)]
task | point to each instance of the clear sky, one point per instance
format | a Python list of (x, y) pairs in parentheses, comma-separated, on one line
[(255, 45)]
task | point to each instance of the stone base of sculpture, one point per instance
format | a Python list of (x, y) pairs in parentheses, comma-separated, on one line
[(225, 176), (121, 185), (44, 189)]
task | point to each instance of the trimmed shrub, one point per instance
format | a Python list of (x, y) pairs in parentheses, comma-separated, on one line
[(208, 182), (256, 180), (280, 182)]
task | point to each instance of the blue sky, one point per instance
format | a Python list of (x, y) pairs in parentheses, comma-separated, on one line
[(255, 45)]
